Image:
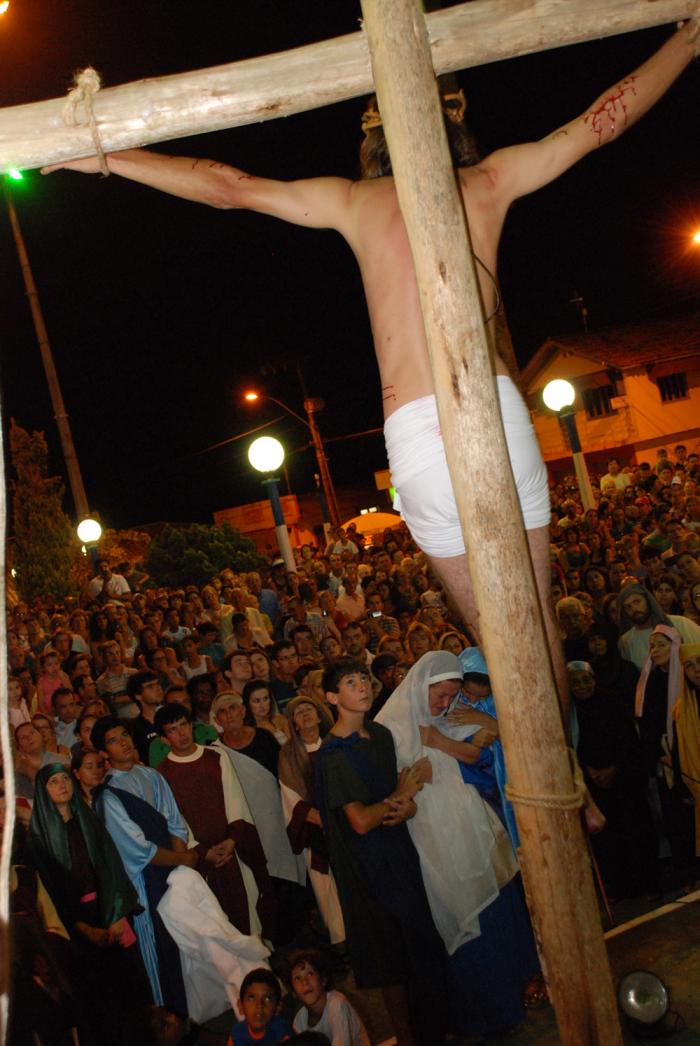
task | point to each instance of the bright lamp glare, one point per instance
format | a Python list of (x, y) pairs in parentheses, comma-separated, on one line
[(251, 396), (13, 173), (266, 454), (696, 237), (4, 6), (558, 394), (89, 531)]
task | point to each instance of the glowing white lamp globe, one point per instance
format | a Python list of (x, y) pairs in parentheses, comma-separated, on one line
[(89, 531), (558, 394), (266, 454)]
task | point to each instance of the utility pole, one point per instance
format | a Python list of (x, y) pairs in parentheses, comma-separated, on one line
[(59, 411), (312, 405)]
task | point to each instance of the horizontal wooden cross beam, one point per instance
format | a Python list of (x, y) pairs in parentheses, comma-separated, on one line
[(257, 89)]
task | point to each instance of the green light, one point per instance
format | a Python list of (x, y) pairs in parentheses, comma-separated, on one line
[(15, 175)]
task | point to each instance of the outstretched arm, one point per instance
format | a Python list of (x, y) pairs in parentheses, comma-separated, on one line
[(522, 169), (321, 203)]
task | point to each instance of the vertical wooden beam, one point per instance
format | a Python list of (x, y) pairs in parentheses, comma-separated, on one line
[(8, 822), (555, 862)]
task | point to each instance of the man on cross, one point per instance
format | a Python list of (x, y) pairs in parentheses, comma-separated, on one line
[(367, 214)]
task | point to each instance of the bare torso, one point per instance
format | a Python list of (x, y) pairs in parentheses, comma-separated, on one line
[(379, 240)]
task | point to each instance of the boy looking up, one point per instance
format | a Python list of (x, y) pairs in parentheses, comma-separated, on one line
[(391, 937), (323, 1009), (258, 1005)]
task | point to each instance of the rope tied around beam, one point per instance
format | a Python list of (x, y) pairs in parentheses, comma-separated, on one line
[(85, 86), (567, 801)]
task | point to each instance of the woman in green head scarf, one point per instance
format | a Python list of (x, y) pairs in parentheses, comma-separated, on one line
[(84, 875)]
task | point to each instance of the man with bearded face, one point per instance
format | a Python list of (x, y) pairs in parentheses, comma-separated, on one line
[(639, 614)]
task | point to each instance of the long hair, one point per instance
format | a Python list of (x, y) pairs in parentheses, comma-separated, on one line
[(295, 764), (375, 161)]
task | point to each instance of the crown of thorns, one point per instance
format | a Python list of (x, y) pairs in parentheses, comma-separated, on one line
[(454, 106)]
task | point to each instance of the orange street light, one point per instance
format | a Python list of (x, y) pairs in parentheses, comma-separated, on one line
[(696, 237), (251, 397), (4, 6)]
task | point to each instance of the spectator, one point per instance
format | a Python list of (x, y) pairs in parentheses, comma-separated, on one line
[(309, 722), (323, 1009), (229, 712), (106, 585), (285, 662), (639, 614), (209, 795)]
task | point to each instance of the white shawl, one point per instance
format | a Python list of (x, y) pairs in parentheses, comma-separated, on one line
[(464, 851)]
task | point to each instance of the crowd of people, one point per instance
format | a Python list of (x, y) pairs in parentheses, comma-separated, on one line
[(294, 771)]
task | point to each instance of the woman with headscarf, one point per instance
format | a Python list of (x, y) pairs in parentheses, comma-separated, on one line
[(610, 757), (687, 724), (467, 861), (658, 691), (615, 677), (83, 873), (310, 721)]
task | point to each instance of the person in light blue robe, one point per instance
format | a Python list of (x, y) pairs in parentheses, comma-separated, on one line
[(141, 815)]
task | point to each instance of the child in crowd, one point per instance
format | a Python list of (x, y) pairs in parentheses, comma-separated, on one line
[(364, 803), (209, 645), (258, 1005), (50, 678), (323, 1009), (19, 713)]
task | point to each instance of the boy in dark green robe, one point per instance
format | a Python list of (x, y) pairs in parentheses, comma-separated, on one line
[(392, 941)]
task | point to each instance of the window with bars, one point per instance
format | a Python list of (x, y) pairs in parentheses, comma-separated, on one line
[(673, 387), (597, 401)]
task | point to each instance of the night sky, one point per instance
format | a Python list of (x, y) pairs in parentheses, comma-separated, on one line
[(161, 312)]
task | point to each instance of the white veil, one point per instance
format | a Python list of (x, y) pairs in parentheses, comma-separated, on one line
[(464, 851)]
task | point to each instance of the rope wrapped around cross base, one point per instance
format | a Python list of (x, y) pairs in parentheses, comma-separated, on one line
[(85, 86), (571, 801)]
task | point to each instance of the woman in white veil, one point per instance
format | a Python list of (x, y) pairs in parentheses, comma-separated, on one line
[(468, 865)]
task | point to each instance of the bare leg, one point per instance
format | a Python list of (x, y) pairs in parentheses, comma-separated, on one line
[(453, 571), (396, 1002), (541, 555)]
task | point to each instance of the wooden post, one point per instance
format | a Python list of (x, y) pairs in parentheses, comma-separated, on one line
[(257, 89), (556, 866), (7, 831), (70, 457)]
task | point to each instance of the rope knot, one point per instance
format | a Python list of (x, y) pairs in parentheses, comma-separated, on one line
[(86, 84), (554, 801)]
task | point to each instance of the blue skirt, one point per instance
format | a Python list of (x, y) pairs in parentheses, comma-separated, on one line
[(487, 976)]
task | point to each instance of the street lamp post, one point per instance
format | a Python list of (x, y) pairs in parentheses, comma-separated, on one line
[(559, 396), (311, 405), (70, 457), (266, 454), (89, 533)]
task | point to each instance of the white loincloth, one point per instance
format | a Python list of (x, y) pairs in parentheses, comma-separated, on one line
[(422, 481)]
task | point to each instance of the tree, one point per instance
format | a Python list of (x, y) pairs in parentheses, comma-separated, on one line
[(44, 539), (192, 555)]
